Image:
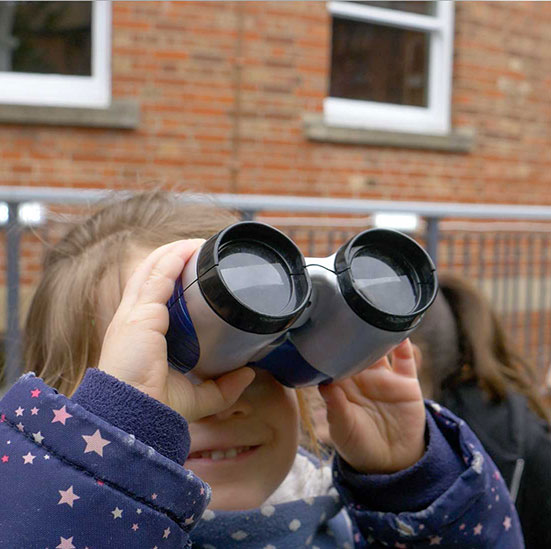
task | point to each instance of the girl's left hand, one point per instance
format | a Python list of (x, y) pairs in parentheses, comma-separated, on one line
[(377, 417)]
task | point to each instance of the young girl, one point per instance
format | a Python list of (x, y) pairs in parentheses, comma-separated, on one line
[(124, 459), (466, 361)]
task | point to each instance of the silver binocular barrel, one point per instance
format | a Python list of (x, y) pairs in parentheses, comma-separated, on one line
[(249, 296)]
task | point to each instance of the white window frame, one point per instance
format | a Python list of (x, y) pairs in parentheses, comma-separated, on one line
[(58, 90), (433, 119)]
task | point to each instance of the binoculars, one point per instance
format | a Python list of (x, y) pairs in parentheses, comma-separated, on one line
[(249, 296)]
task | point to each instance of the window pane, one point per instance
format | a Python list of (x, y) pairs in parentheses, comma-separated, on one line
[(377, 63), (423, 8), (46, 37)]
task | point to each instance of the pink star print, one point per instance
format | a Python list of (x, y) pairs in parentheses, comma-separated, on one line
[(67, 496), (61, 415), (94, 443), (135, 527), (477, 530), (66, 543), (5, 458), (35, 393), (400, 545), (2, 418), (507, 523), (28, 459)]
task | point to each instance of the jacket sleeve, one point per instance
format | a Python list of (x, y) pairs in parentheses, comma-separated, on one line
[(453, 497), (69, 479)]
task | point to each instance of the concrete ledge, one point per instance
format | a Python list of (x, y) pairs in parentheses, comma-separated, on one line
[(121, 114), (461, 140)]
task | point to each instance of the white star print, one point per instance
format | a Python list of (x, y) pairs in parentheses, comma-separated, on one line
[(117, 513), (507, 523), (67, 496), (38, 438), (28, 459), (94, 443), (19, 411), (477, 530), (189, 521), (435, 540), (34, 411), (166, 533), (20, 426)]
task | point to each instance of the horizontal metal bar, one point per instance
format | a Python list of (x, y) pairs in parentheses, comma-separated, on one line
[(263, 203)]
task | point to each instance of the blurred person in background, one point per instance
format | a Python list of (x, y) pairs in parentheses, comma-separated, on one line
[(467, 364)]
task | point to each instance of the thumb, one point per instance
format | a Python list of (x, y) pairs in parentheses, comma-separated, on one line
[(215, 395)]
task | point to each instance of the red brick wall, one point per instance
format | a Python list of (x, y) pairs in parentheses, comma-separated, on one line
[(223, 86)]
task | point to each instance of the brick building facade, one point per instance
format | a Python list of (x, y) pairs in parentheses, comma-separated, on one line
[(224, 88)]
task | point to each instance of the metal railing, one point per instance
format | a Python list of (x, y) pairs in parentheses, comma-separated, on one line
[(511, 262)]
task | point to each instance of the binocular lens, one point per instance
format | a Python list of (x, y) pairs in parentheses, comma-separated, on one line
[(384, 282), (256, 275)]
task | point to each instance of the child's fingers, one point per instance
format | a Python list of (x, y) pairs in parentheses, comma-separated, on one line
[(403, 359), (148, 282), (160, 283), (338, 411), (383, 362), (215, 395)]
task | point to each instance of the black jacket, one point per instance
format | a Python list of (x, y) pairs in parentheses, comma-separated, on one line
[(519, 442)]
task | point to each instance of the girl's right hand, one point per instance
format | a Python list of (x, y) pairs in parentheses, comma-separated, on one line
[(134, 348)]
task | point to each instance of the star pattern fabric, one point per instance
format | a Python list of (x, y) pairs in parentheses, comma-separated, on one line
[(74, 479), (70, 480)]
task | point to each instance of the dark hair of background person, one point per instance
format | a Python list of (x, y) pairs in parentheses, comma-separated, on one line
[(462, 340)]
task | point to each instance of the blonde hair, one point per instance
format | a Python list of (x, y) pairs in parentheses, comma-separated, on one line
[(61, 339)]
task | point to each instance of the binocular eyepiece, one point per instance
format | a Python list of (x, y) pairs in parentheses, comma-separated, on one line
[(249, 296)]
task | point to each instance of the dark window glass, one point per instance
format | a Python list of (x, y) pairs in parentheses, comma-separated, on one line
[(372, 62), (423, 8), (46, 37)]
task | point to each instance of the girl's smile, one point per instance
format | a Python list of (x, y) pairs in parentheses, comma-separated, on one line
[(245, 451)]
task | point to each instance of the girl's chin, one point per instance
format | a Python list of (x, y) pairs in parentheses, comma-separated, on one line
[(230, 499)]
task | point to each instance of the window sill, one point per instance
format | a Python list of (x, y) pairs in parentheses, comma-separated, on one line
[(121, 114), (460, 140)]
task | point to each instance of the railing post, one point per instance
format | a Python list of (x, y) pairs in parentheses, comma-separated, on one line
[(12, 343), (247, 215), (432, 237)]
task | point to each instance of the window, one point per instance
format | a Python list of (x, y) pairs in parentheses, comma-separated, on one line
[(391, 65), (55, 53)]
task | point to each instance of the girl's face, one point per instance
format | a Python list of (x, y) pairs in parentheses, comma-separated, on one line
[(244, 452)]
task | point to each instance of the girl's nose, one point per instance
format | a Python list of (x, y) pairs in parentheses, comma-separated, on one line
[(242, 407)]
